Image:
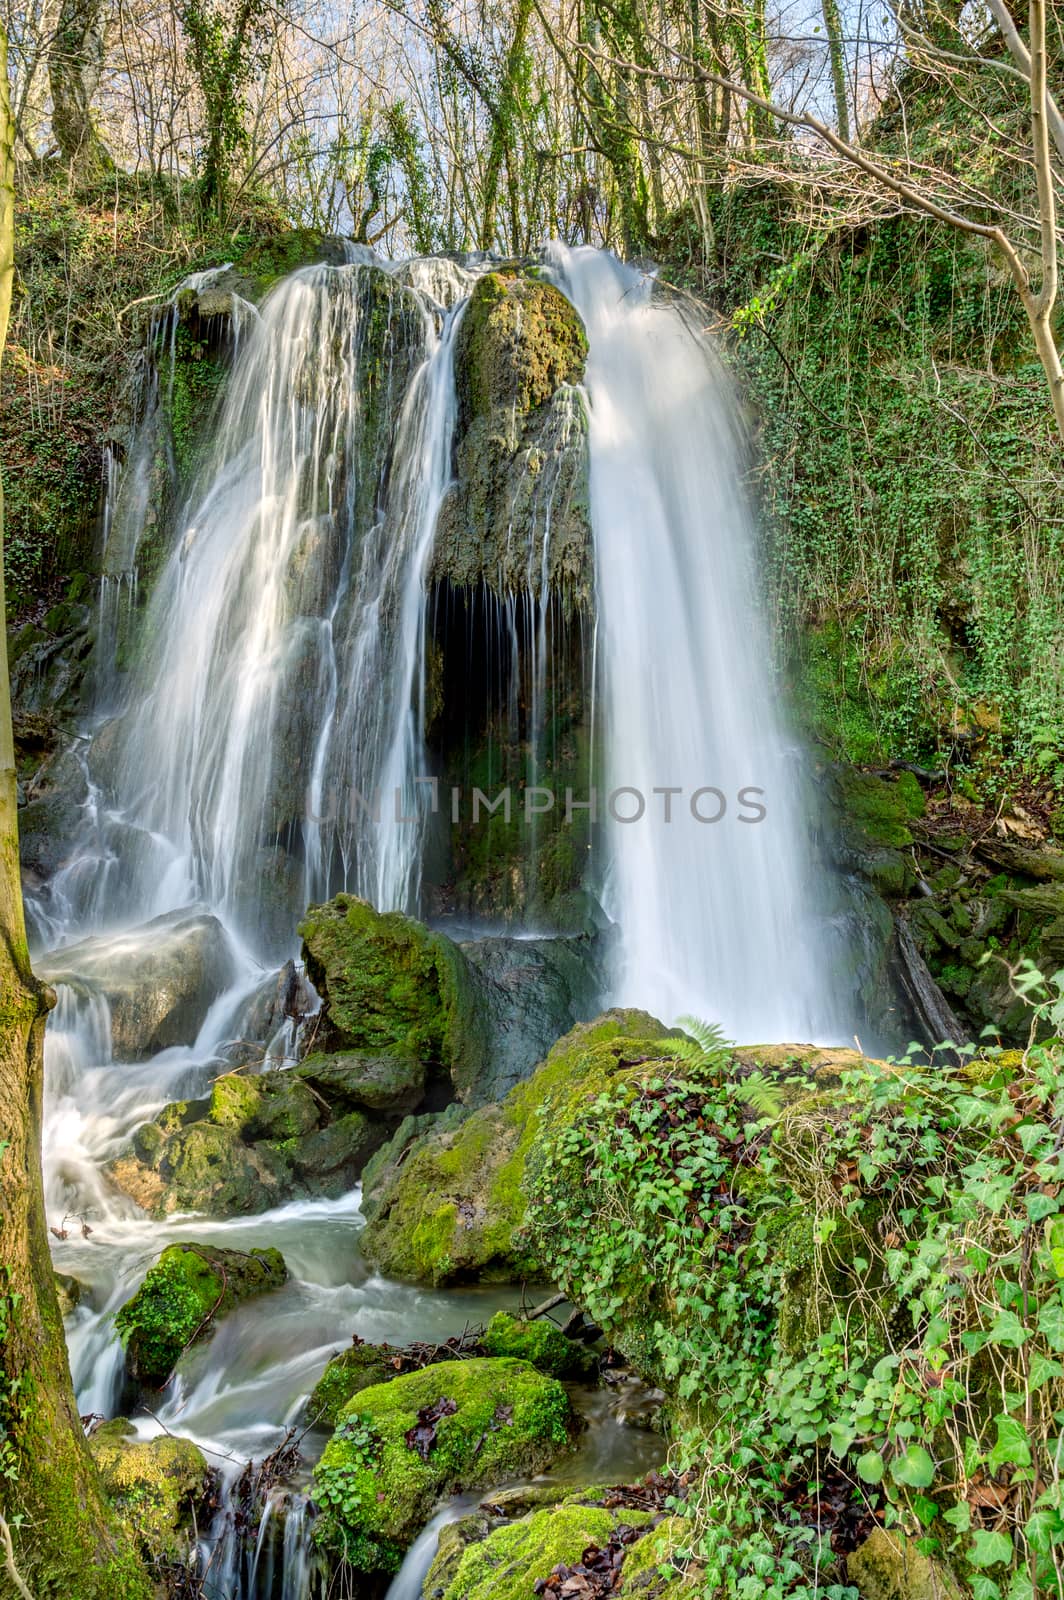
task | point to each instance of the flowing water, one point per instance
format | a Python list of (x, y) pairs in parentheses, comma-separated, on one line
[(710, 886), (280, 683)]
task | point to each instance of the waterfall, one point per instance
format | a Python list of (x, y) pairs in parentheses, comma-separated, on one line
[(279, 690), (717, 916), (259, 744)]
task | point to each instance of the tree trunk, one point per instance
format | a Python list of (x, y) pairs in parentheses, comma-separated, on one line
[(74, 64), (51, 1502), (837, 57)]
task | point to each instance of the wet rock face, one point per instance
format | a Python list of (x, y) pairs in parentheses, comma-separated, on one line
[(518, 513), (190, 1287), (403, 1445), (159, 980)]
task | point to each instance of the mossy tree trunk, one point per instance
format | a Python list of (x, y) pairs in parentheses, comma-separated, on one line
[(62, 1538), (74, 64)]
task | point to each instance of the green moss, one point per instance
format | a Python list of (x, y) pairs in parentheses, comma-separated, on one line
[(189, 1287), (375, 1490), (154, 1486), (274, 1105), (269, 259), (391, 986), (452, 1210), (882, 808), (519, 340), (479, 1560), (506, 1564), (541, 1344), (191, 382), (359, 1367)]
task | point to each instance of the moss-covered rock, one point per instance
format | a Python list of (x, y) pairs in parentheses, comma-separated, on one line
[(449, 1207), (181, 1299), (402, 1445), (261, 1138), (389, 986), (544, 1529), (275, 1105), (889, 1567), (520, 504), (154, 1485), (377, 1082), (541, 1344), (360, 1366), (199, 1166)]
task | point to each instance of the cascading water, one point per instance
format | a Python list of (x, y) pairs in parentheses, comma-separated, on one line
[(281, 679), (717, 916), (279, 686)]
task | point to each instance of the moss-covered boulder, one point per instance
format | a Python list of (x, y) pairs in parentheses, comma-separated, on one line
[(448, 1207), (888, 1566), (520, 502), (403, 1445), (360, 1366), (390, 987), (260, 1139), (541, 1344), (189, 1288), (195, 1165), (575, 1538), (377, 1082), (155, 1487)]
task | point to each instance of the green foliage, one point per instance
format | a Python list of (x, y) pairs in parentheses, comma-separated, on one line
[(875, 1275), (911, 488)]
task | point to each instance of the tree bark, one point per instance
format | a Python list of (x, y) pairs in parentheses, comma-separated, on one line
[(837, 58), (74, 64), (50, 1495)]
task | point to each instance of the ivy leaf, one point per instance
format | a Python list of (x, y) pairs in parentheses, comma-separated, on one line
[(915, 1469), (989, 1549), (842, 1436), (1051, 1325), (959, 1516), (1008, 1330), (870, 1466), (1011, 1447)]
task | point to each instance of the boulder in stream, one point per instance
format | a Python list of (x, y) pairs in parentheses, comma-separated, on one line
[(390, 986), (499, 1554), (471, 1018), (261, 1138), (402, 1446), (159, 980), (155, 1487), (181, 1299)]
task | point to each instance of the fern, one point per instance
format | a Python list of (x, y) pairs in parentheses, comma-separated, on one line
[(706, 1046), (762, 1096)]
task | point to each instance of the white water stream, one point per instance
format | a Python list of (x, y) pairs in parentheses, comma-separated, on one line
[(282, 680), (711, 886)]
